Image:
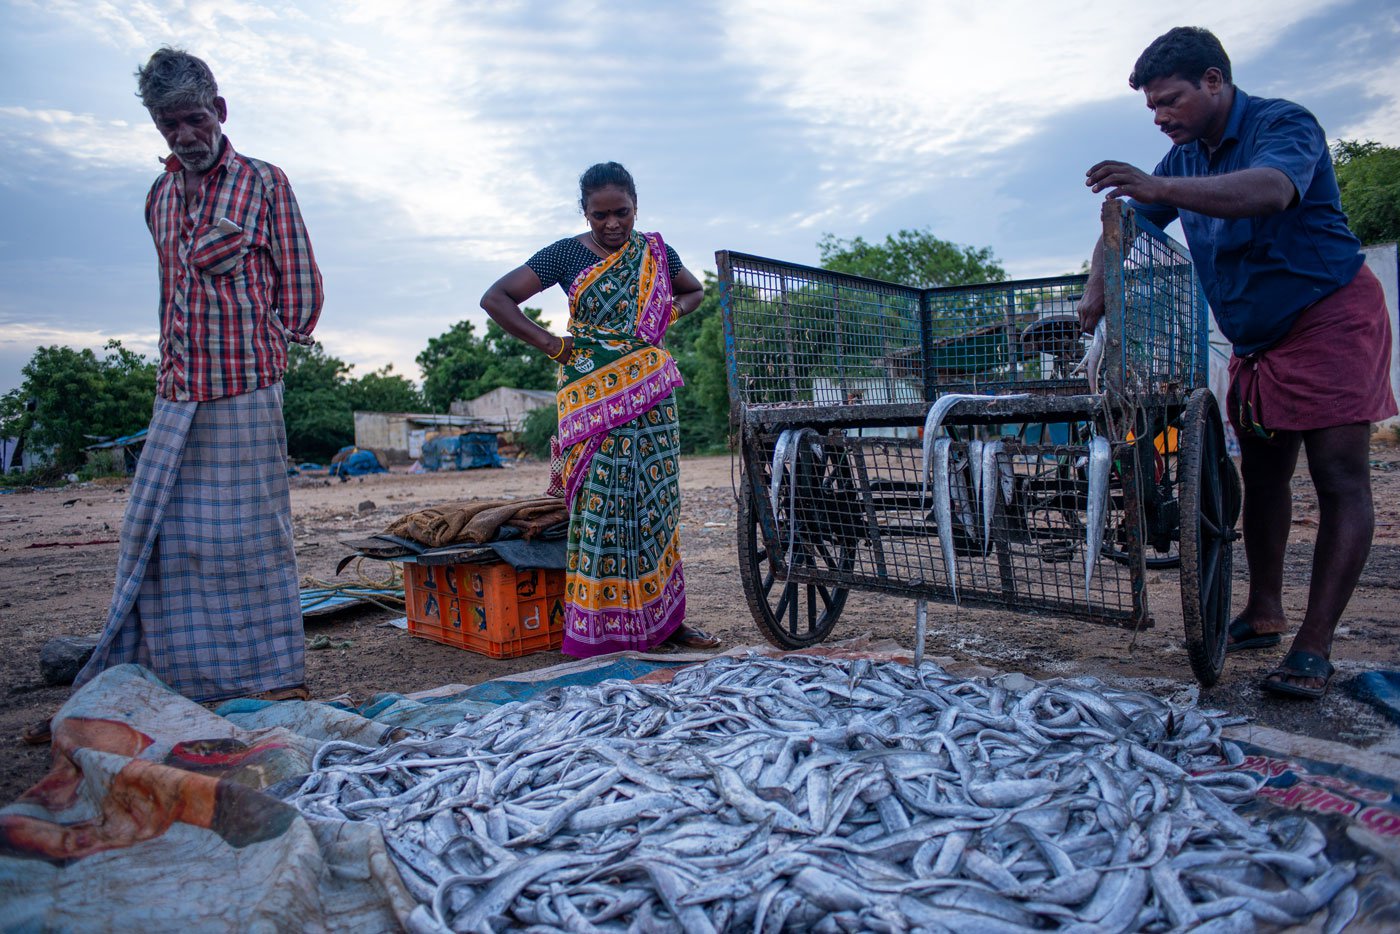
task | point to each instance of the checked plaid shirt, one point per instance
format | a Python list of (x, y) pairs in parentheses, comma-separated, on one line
[(237, 278)]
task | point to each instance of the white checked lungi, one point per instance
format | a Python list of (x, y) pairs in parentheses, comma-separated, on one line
[(207, 592)]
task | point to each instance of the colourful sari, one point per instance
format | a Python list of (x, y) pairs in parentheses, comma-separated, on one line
[(621, 442)]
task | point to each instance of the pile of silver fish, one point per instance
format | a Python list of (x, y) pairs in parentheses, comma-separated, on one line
[(817, 794)]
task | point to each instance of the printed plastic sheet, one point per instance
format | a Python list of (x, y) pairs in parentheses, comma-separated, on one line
[(154, 818)]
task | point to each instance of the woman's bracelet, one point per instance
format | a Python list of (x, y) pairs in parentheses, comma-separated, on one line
[(558, 355), (676, 311)]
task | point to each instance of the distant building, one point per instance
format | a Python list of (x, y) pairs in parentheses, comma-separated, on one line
[(398, 436), (505, 406)]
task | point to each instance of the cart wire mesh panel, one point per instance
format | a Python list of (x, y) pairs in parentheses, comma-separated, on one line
[(831, 377)]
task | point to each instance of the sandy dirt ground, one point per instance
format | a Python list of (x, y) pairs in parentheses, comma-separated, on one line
[(64, 588)]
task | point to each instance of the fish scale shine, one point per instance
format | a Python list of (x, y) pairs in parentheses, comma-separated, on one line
[(883, 797)]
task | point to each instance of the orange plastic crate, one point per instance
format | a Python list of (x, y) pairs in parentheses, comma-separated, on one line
[(490, 609)]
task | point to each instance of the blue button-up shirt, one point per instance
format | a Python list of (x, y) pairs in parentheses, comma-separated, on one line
[(1260, 273)]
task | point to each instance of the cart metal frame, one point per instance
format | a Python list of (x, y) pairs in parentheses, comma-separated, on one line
[(846, 368)]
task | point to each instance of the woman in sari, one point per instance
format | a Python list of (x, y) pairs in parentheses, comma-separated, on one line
[(618, 432)]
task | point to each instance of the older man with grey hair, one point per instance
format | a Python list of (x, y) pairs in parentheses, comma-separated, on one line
[(207, 591)]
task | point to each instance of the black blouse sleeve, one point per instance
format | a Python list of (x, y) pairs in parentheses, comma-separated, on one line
[(549, 263)]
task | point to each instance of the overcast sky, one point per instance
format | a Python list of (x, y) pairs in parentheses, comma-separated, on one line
[(435, 145)]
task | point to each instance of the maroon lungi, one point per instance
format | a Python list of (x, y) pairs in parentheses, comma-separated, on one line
[(1332, 368)]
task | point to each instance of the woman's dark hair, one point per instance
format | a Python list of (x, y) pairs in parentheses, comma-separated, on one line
[(1184, 52), (602, 175)]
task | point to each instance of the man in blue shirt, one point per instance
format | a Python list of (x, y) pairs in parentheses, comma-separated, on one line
[(1251, 180)]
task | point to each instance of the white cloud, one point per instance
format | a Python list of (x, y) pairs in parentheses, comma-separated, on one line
[(21, 335), (895, 91), (84, 141)]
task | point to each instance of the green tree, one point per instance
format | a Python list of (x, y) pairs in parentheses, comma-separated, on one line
[(384, 390), (460, 365), (1368, 175), (539, 426), (697, 343), (321, 395), (78, 398), (911, 257), (315, 403)]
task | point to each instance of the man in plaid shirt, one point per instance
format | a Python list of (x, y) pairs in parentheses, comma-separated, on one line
[(207, 594)]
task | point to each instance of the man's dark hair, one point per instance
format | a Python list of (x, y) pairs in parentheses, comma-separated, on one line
[(173, 79), (1184, 52), (600, 176)]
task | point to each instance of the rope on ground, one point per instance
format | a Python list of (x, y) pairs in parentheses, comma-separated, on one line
[(385, 592)]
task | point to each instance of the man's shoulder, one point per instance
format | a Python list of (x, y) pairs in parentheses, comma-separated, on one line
[(1267, 110), (271, 175)]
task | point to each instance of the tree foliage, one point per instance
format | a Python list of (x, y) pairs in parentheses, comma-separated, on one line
[(1369, 177), (79, 397), (459, 364), (539, 426), (697, 344), (911, 257), (321, 395)]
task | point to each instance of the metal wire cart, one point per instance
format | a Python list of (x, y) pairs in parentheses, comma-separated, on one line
[(950, 444)]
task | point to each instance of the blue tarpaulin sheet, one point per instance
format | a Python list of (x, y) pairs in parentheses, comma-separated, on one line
[(353, 462), (461, 452)]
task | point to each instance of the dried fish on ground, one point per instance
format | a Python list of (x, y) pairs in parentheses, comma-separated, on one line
[(806, 793)]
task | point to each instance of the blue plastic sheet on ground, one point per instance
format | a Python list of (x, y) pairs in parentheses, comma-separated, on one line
[(316, 600), (1381, 689), (461, 452)]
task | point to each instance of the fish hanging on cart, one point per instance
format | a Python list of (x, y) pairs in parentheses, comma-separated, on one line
[(1100, 459), (943, 510), (1093, 359), (976, 455), (988, 471), (934, 420), (786, 452), (775, 475)]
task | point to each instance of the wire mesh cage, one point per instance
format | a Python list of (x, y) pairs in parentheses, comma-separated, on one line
[(801, 336), (1049, 491), (859, 511), (1155, 301), (809, 336)]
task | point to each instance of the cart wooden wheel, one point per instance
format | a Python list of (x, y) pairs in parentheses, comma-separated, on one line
[(789, 614), (1210, 504)]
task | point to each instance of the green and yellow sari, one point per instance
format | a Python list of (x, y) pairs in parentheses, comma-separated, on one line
[(621, 442)]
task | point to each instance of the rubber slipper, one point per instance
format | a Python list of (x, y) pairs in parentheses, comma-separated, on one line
[(1299, 664), (1243, 636)]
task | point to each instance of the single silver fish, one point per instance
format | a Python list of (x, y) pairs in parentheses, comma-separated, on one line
[(1093, 359), (1100, 459), (990, 472), (775, 475), (974, 460), (943, 511)]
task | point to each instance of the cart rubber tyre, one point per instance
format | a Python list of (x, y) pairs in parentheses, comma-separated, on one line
[(1210, 505), (790, 615)]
